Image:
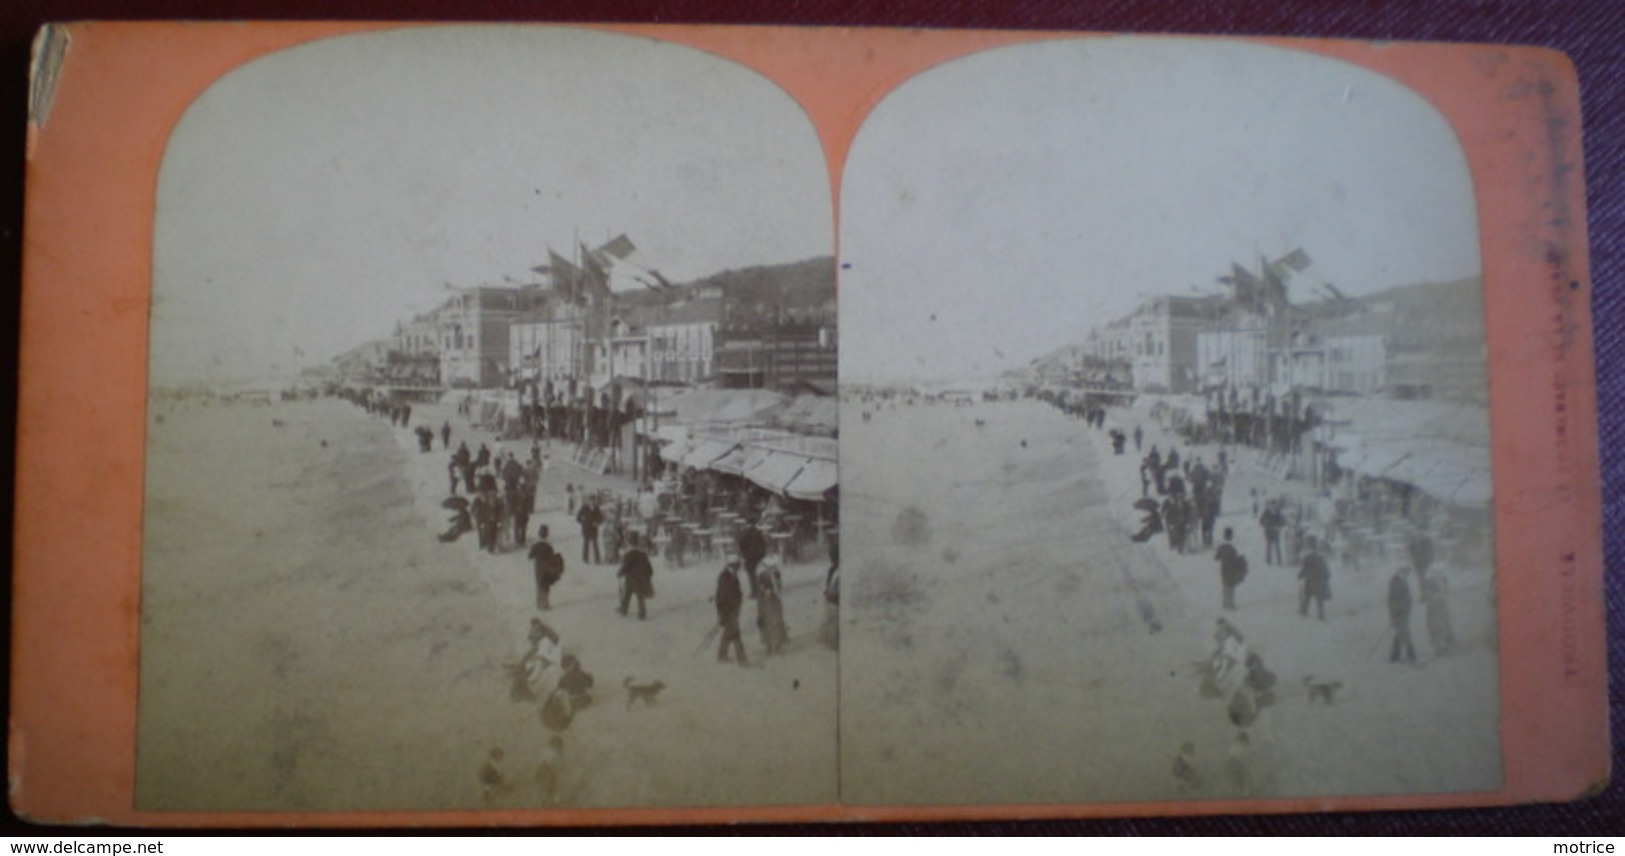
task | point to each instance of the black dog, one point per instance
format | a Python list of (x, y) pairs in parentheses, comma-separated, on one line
[(646, 692), (1323, 690)]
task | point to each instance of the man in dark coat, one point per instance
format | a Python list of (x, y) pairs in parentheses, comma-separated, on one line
[(1399, 615), (488, 518), (511, 472), (518, 500), (590, 519), (1173, 516), (445, 435), (1207, 513), (729, 599), (549, 568), (464, 462), (576, 683), (1316, 579), (1420, 548), (1153, 466), (637, 576), (1200, 477), (1272, 522), (752, 549), (1232, 568)]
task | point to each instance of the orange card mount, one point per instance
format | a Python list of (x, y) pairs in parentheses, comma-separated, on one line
[(1107, 305)]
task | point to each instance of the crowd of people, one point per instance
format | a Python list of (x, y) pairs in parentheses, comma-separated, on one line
[(494, 493), (1318, 533)]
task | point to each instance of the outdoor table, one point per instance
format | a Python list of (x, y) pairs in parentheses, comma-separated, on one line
[(781, 541), (702, 541), (792, 524)]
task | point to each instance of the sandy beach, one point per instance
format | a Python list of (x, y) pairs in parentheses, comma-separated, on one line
[(308, 644), (1005, 641)]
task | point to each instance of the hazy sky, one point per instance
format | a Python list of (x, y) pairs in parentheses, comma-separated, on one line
[(311, 198), (1006, 202)]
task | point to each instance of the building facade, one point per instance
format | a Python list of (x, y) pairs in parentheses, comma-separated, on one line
[(776, 355), (414, 356), (474, 334), (1162, 336)]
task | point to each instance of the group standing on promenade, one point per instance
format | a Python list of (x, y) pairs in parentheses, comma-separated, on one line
[(1182, 497), (494, 493)]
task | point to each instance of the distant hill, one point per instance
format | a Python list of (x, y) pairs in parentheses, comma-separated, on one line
[(1422, 316), (807, 287), (808, 284)]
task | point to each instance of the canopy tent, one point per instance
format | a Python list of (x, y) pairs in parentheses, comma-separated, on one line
[(706, 452), (775, 470), (814, 480), (1370, 460), (1445, 470), (811, 413), (732, 463), (675, 435), (717, 406)]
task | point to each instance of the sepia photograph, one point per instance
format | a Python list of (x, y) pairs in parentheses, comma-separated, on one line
[(463, 411), (1164, 420), (490, 438)]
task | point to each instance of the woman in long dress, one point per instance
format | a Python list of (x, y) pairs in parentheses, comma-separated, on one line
[(770, 608), (1436, 598)]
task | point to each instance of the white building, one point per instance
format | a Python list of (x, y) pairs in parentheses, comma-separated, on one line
[(543, 349)]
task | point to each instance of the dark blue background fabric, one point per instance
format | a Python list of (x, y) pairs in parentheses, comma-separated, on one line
[(1591, 32)]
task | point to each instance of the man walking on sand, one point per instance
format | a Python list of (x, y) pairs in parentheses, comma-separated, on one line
[(729, 598), (637, 576), (1316, 579), (549, 568), (590, 519), (1272, 522), (752, 549), (1399, 616), (1232, 568)]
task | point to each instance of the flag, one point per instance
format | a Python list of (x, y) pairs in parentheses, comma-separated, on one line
[(620, 247), (1274, 285), (625, 277), (566, 279), (594, 278), (1296, 260), (1247, 287)]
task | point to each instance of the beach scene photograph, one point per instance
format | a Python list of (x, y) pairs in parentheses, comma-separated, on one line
[(1165, 435), (491, 434)]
